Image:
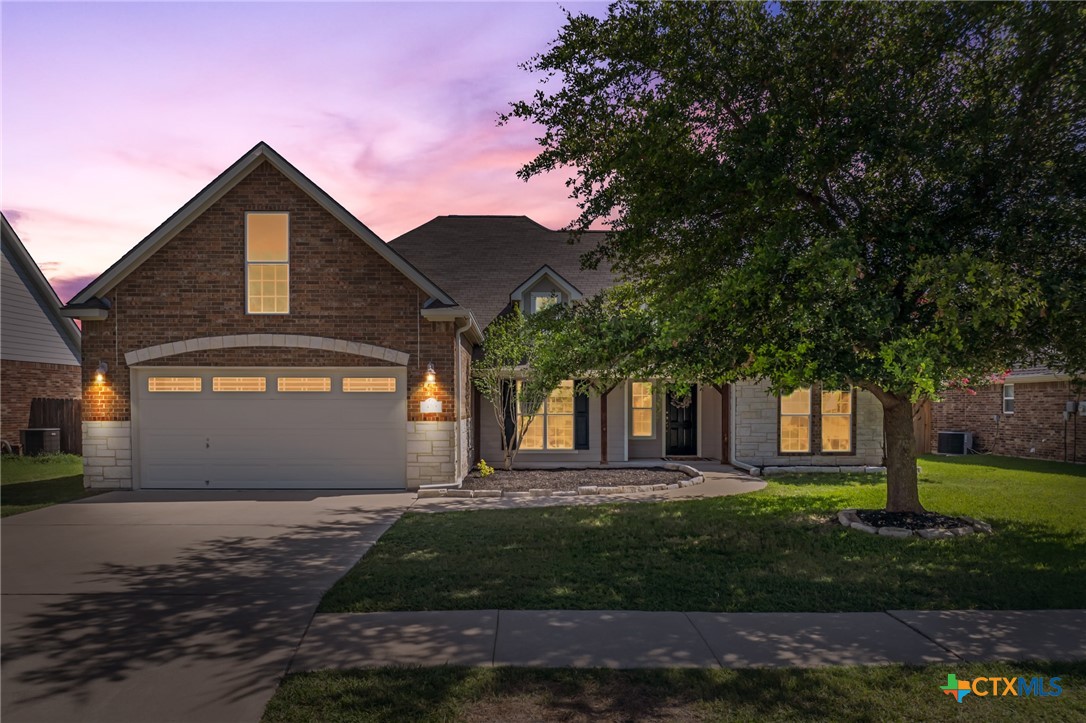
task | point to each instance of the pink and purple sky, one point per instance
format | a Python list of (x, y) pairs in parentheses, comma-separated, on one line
[(116, 114)]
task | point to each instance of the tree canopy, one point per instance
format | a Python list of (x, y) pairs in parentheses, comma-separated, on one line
[(889, 195)]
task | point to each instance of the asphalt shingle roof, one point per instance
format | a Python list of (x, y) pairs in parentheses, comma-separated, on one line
[(479, 260)]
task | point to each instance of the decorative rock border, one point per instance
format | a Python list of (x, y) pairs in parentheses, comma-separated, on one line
[(849, 518), (696, 478)]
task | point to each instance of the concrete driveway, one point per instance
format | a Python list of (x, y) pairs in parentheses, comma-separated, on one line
[(169, 606)]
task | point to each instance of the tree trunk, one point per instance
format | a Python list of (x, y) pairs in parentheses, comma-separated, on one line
[(603, 425), (897, 424)]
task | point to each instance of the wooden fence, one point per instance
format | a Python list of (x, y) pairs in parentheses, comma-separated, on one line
[(922, 427), (65, 414)]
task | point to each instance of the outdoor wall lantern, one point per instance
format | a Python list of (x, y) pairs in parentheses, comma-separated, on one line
[(100, 375), (431, 376)]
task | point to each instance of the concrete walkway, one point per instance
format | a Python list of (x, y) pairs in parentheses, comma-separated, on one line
[(631, 639), (720, 481)]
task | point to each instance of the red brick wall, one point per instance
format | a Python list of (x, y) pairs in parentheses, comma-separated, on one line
[(23, 381), (194, 286), (1036, 429)]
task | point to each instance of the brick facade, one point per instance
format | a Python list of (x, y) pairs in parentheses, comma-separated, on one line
[(194, 286), (23, 381), (1036, 429), (340, 289)]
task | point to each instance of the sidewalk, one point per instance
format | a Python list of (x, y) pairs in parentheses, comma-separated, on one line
[(633, 639)]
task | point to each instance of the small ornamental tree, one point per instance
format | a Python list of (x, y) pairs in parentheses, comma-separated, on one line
[(507, 378), (599, 341), (883, 195)]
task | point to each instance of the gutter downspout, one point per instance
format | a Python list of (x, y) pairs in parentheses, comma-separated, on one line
[(731, 441)]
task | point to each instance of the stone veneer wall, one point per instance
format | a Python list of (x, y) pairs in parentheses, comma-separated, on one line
[(430, 454), (757, 430), (107, 455)]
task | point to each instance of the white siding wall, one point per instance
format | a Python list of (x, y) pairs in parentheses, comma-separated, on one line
[(28, 334)]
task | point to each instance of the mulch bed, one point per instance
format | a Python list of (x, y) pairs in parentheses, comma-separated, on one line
[(522, 480), (909, 520)]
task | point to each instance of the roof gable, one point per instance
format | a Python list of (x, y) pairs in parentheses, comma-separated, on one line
[(38, 287), (480, 259), (546, 272), (218, 188)]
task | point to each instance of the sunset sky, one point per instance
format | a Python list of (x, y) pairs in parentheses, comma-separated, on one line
[(116, 114)]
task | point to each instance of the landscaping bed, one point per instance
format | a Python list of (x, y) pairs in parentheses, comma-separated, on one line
[(522, 480)]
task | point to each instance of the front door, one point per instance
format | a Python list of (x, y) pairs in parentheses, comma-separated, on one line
[(682, 427)]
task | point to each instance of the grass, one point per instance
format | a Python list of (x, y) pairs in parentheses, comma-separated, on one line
[(30, 483), (886, 693), (775, 550)]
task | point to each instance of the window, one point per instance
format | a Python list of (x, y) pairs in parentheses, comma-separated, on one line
[(304, 384), (552, 427), (369, 384), (796, 421), (837, 421), (267, 268), (1008, 399), (238, 384), (641, 410), (174, 384), (543, 299)]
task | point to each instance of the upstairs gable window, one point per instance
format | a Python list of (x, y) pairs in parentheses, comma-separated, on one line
[(267, 263), (543, 299)]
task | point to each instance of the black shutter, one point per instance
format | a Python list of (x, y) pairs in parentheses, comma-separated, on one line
[(580, 420), (510, 405)]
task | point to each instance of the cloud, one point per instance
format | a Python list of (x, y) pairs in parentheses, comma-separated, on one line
[(13, 216), (68, 286)]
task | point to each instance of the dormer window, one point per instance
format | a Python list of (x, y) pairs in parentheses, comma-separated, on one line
[(544, 299), (267, 263)]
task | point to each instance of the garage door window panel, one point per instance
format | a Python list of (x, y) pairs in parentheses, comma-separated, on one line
[(304, 384), (174, 384), (239, 384), (369, 384), (267, 263)]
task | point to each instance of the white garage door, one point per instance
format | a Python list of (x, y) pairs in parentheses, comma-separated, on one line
[(322, 428)]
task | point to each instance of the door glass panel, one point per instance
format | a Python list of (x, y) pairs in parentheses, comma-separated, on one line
[(174, 384), (238, 384)]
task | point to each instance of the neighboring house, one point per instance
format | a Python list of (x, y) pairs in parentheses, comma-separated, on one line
[(39, 349), (488, 263), (1034, 412), (263, 337)]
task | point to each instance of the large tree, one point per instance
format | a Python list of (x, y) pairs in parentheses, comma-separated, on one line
[(885, 195)]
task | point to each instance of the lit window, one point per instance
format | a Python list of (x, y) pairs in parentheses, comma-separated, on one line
[(837, 421), (552, 427), (174, 384), (1008, 399), (304, 384), (796, 421), (641, 411), (369, 384), (543, 300), (238, 384), (267, 271)]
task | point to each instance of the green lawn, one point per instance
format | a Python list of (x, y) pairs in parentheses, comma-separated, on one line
[(30, 483), (887, 693), (775, 550)]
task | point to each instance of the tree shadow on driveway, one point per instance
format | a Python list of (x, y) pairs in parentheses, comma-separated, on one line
[(204, 634)]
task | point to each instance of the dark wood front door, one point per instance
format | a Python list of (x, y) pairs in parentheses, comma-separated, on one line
[(682, 424)]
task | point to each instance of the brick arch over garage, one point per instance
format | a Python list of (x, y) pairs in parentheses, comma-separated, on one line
[(294, 341)]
